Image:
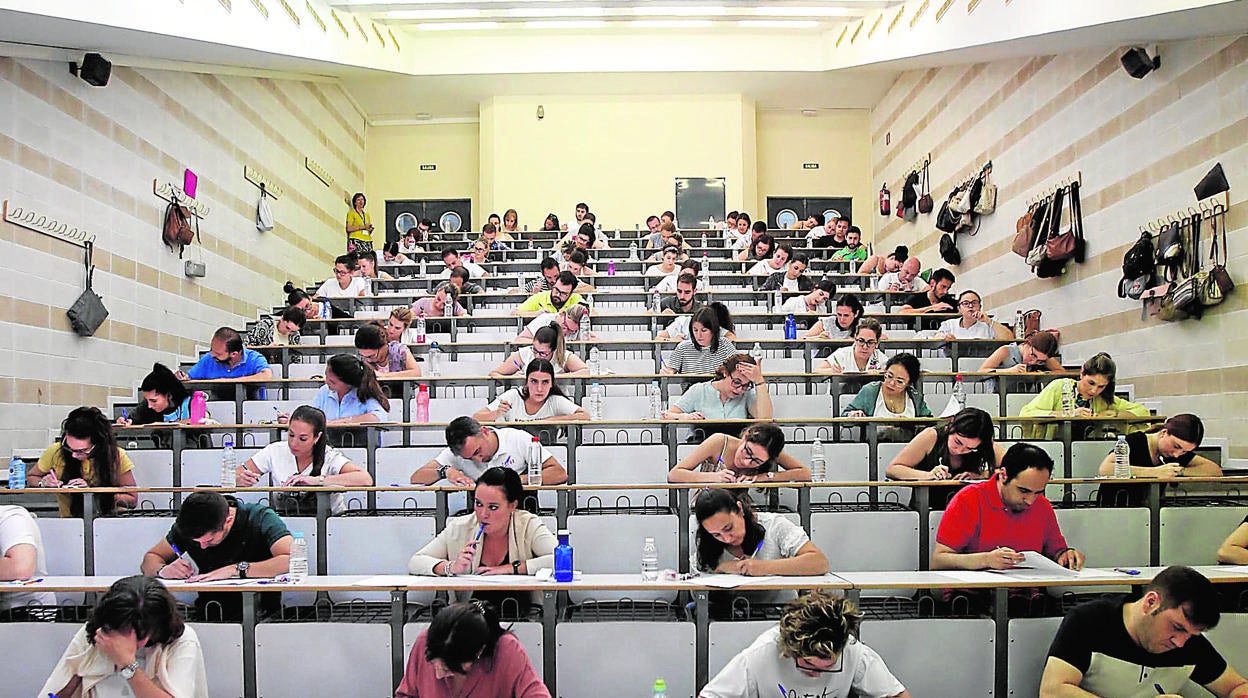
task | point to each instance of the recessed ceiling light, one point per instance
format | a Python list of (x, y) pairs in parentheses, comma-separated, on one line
[(557, 12), (672, 23), (681, 11), (778, 23), (432, 14), (566, 24), (424, 116), (794, 11), (805, 112), (457, 26)]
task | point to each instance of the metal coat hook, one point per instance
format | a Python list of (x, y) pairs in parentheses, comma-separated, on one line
[(40, 223)]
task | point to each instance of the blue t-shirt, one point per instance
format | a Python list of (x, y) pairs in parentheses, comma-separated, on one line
[(327, 402), (208, 368), (183, 412)]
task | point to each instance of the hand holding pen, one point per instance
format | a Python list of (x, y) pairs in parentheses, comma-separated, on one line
[(463, 563), (178, 569)]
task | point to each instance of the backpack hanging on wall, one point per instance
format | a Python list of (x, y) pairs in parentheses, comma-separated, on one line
[(1137, 268), (177, 228)]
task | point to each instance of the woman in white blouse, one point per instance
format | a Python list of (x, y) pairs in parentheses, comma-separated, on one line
[(539, 398), (863, 356)]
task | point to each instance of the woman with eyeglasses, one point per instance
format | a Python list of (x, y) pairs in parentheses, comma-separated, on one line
[(539, 398), (351, 394), (305, 459), (752, 457), (570, 320), (87, 456), (547, 344), (814, 651), (863, 356), (344, 284), (385, 356), (972, 322), (897, 395), (465, 652), (1036, 353), (739, 391)]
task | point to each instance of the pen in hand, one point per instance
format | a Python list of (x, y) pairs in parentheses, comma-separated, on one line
[(1160, 691)]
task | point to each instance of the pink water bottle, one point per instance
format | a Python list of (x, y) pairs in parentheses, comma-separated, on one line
[(199, 407), (422, 404), (611, 268)]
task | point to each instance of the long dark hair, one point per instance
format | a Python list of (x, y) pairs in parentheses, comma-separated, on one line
[(973, 423), (552, 336), (91, 424), (352, 370), (294, 294), (1102, 365), (462, 633), (851, 302), (138, 603), (714, 501), (1184, 426), (314, 418), (163, 381), (770, 437), (540, 366), (714, 317)]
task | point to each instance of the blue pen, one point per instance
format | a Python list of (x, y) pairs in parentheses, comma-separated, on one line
[(480, 532), (760, 547), (1126, 571), (1160, 690), (783, 693), (125, 413)]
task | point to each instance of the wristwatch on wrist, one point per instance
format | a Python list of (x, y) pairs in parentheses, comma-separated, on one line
[(515, 567), (448, 570), (442, 471), (127, 671), (242, 568)]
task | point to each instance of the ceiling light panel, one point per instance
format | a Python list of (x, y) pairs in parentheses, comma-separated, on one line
[(556, 12), (778, 24), (680, 11), (566, 24), (671, 23), (457, 26), (432, 14), (796, 11)]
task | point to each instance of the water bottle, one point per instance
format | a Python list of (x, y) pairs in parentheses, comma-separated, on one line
[(17, 474), (1122, 458), (589, 301), (325, 310), (421, 328), (1018, 325), (298, 572), (534, 462), (563, 558), (229, 463), (422, 267), (595, 361), (611, 268), (649, 561), (660, 689), (435, 359), (704, 242), (1068, 398), (656, 301), (199, 407), (777, 300), (959, 392), (656, 401), (422, 403), (521, 284), (595, 401), (586, 328), (757, 351), (818, 464), (705, 271), (632, 251), (790, 327)]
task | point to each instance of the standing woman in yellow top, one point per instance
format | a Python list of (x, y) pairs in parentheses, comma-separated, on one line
[(87, 456), (359, 226)]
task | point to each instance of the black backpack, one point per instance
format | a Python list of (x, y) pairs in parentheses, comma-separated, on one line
[(1138, 266)]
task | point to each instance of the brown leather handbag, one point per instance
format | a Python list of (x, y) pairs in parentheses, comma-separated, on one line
[(1069, 243), (1023, 232)]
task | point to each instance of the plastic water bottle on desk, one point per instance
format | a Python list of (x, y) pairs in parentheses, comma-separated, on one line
[(818, 463), (298, 572), (421, 328), (1018, 325), (790, 327), (1122, 458), (585, 331), (595, 361), (611, 268), (435, 359), (534, 462), (17, 473), (660, 689), (632, 251), (422, 403), (199, 407), (422, 267), (656, 301), (704, 243), (656, 401), (757, 351), (777, 300), (649, 561), (229, 463), (563, 558), (959, 392), (595, 401), (1068, 399)]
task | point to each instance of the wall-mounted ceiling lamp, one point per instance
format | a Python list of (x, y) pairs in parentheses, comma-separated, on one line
[(566, 24), (671, 23), (457, 26), (778, 23), (1137, 63), (681, 11), (432, 14), (796, 11)]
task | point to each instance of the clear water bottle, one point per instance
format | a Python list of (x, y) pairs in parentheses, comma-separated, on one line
[(656, 401), (818, 463), (777, 300), (1068, 398), (534, 462), (632, 251), (757, 351), (1122, 458), (595, 401), (660, 689), (959, 392), (17, 473), (595, 361), (422, 267), (521, 282), (563, 558), (790, 327), (421, 329), (229, 463), (583, 332), (656, 301), (705, 271), (704, 242), (1018, 324), (649, 561), (298, 572), (435, 359)]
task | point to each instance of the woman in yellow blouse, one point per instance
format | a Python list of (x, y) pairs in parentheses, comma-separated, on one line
[(359, 226), (87, 456)]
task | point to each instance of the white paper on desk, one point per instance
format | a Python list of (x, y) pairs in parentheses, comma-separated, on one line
[(730, 581), (215, 582), (950, 409), (1037, 566), (488, 578), (971, 576), (390, 580)]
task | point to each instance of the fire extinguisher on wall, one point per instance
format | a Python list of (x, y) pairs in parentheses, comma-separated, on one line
[(886, 201)]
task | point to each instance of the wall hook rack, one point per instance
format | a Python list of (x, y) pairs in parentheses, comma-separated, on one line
[(270, 187), (173, 194), (31, 219)]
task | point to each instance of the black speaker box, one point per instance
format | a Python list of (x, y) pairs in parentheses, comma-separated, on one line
[(95, 69)]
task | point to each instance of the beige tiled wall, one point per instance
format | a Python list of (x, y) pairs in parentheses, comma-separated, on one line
[(1140, 145), (88, 156)]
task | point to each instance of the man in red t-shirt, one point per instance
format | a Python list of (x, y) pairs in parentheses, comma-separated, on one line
[(990, 524)]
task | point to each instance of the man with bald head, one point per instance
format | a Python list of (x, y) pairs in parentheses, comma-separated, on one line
[(904, 279)]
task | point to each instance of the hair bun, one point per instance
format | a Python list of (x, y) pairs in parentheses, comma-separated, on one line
[(289, 287)]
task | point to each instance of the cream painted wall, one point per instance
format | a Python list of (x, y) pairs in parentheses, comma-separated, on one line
[(393, 156), (840, 141), (620, 155)]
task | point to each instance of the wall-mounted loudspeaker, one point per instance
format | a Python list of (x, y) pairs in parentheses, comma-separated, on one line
[(94, 69), (1137, 62)]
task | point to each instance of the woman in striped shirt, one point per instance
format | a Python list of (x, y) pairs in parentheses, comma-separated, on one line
[(705, 350)]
